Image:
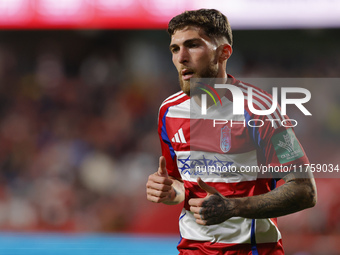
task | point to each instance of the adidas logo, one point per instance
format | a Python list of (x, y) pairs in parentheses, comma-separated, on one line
[(179, 137)]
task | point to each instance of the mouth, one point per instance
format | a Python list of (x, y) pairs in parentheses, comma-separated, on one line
[(187, 74)]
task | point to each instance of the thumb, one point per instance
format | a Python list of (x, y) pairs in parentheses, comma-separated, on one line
[(206, 187), (162, 167)]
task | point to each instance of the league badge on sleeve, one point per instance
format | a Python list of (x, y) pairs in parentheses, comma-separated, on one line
[(225, 142), (287, 146)]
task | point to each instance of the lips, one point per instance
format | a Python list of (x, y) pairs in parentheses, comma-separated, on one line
[(187, 74)]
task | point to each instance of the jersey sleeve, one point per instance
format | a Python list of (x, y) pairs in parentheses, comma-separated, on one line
[(167, 149), (274, 135)]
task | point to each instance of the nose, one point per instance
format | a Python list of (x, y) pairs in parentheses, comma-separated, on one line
[(183, 55)]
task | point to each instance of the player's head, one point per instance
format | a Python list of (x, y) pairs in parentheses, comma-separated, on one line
[(200, 44)]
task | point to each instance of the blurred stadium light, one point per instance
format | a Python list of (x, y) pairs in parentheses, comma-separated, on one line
[(130, 14)]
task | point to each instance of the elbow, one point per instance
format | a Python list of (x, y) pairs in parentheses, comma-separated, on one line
[(305, 193), (314, 197), (310, 196)]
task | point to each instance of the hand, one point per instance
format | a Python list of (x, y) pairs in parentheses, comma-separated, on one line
[(158, 186), (214, 208)]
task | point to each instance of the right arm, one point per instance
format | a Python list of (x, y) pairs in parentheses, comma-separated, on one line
[(162, 188)]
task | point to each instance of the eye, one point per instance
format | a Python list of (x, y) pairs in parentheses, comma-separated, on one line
[(193, 45), (174, 49)]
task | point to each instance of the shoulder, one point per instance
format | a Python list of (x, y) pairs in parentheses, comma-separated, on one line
[(172, 100), (258, 103), (259, 98), (248, 88)]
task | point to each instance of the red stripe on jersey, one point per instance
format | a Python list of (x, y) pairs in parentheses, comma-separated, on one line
[(191, 247)]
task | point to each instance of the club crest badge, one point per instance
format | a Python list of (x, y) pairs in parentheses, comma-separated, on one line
[(225, 142)]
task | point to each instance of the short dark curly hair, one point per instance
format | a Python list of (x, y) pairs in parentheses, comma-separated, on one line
[(213, 23)]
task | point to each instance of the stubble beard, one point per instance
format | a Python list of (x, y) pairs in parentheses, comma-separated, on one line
[(210, 72)]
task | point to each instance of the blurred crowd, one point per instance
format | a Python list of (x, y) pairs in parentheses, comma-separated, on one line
[(78, 123)]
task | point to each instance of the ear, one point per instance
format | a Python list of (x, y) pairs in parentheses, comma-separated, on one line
[(226, 51)]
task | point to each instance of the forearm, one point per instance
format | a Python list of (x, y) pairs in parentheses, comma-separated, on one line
[(177, 194), (297, 193), (291, 197)]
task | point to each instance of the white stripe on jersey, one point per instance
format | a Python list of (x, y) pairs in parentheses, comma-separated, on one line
[(219, 170), (181, 110), (234, 230), (172, 96), (177, 138), (181, 135), (264, 225), (173, 100), (190, 110)]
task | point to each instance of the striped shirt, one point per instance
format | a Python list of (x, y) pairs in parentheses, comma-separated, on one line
[(227, 151)]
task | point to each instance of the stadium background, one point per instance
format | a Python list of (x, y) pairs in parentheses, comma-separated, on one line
[(78, 133)]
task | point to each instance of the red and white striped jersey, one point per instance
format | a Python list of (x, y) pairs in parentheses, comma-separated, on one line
[(191, 143)]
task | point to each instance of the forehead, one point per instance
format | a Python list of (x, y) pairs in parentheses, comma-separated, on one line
[(187, 33)]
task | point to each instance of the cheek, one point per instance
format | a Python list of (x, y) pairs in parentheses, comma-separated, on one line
[(206, 59), (175, 62), (206, 54)]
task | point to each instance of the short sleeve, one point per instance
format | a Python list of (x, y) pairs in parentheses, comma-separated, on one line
[(274, 135)]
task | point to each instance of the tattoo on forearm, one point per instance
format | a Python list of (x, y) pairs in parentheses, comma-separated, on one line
[(289, 198)]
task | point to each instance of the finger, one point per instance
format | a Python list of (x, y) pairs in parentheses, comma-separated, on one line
[(162, 167), (198, 216), (157, 193), (201, 222), (160, 179), (196, 202), (158, 186), (206, 187), (195, 210), (155, 199)]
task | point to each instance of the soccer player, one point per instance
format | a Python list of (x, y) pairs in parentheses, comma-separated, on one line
[(226, 214)]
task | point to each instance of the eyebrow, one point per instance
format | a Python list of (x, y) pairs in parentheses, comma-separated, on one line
[(186, 42)]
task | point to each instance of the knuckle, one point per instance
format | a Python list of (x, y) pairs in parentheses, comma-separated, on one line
[(165, 187), (161, 180)]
